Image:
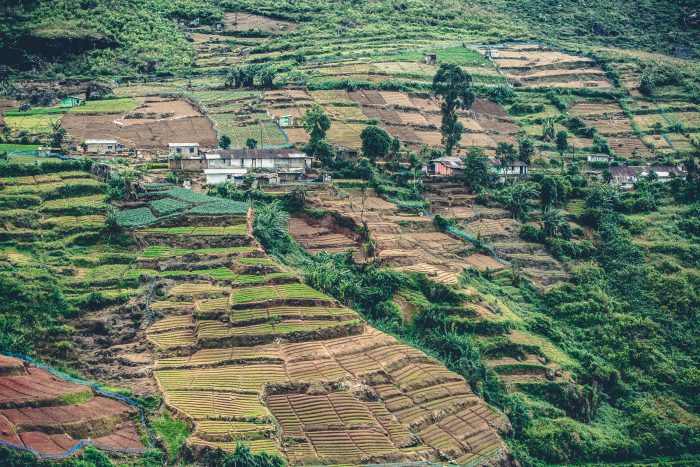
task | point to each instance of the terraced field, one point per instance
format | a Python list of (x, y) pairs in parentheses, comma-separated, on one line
[(37, 413), (290, 371)]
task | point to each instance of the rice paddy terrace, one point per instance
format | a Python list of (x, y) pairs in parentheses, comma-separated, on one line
[(255, 355)]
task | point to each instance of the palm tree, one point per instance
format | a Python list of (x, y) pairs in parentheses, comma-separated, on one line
[(553, 222), (516, 199)]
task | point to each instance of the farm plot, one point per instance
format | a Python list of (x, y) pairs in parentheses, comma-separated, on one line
[(244, 378), (233, 392), (267, 134), (345, 134), (630, 147), (154, 134), (246, 21), (538, 66), (36, 413)]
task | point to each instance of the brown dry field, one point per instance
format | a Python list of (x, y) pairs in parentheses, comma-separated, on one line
[(345, 134), (159, 106), (149, 135), (486, 107), (625, 146), (297, 135), (246, 21), (585, 108), (611, 124), (396, 98), (367, 97)]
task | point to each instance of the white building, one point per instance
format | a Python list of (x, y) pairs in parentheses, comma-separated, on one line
[(103, 146), (599, 158), (285, 164), (627, 177), (216, 176), (183, 149)]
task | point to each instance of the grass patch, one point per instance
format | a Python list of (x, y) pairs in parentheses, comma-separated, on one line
[(173, 432)]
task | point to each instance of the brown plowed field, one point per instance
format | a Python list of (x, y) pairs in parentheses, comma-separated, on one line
[(34, 416), (148, 135)]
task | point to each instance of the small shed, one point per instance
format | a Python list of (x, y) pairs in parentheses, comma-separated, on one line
[(448, 165), (430, 58), (103, 146), (493, 53), (71, 101), (286, 120)]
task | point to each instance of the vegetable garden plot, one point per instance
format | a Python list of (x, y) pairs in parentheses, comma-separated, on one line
[(339, 96), (268, 135), (211, 357), (398, 99), (345, 113), (212, 405), (315, 370), (135, 218), (243, 378), (247, 21), (629, 147), (198, 289), (404, 133), (34, 413), (297, 413), (256, 445), (367, 97), (172, 339), (260, 314), (231, 430), (381, 114)]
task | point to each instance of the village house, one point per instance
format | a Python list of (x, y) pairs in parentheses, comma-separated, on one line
[(627, 177), (517, 168), (445, 166), (286, 120), (285, 164), (103, 146), (599, 158), (71, 101), (183, 149)]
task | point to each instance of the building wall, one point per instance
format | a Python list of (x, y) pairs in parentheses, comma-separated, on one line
[(102, 148), (265, 163), (184, 151), (442, 169), (192, 165)]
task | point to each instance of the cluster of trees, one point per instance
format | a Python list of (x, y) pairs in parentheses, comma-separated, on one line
[(247, 75)]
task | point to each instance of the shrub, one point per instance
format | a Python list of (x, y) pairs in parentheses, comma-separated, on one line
[(532, 233)]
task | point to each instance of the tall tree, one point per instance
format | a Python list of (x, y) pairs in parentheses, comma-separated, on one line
[(506, 154), (562, 146), (477, 173), (316, 123), (526, 149), (454, 86), (376, 142), (224, 142)]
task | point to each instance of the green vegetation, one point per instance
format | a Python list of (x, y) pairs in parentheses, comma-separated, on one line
[(174, 433)]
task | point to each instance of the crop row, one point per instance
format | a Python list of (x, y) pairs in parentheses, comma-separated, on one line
[(214, 405), (298, 412), (169, 339), (217, 356), (287, 291), (239, 229), (239, 378), (194, 289), (154, 251), (255, 314)]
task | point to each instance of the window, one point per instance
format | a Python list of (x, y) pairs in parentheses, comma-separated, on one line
[(191, 150)]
